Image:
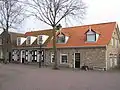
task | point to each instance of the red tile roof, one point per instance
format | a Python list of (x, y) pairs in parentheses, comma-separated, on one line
[(77, 36), (40, 32), (36, 33)]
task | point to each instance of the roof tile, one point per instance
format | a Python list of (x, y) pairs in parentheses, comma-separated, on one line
[(77, 36)]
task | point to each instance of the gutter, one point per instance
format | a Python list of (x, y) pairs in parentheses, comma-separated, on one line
[(100, 46), (79, 47)]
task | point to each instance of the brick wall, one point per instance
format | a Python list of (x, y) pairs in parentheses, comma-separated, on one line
[(90, 56)]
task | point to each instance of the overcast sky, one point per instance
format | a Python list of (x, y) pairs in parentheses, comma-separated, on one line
[(98, 11)]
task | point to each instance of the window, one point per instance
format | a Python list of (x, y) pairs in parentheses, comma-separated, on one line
[(52, 58), (35, 57), (26, 57), (91, 36), (18, 41), (35, 52), (0, 41), (1, 54), (28, 40), (111, 62), (112, 41), (117, 43), (64, 58), (60, 38), (39, 39), (115, 61)]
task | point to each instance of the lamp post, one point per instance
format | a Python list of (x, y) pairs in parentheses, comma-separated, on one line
[(58, 27), (40, 42)]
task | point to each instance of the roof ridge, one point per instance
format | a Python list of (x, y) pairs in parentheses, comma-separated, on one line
[(71, 27), (15, 32), (90, 25), (39, 30)]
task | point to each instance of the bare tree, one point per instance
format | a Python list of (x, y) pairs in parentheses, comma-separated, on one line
[(11, 15), (52, 12)]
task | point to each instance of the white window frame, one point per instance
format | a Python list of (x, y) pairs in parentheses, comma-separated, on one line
[(38, 39), (112, 41), (35, 52), (52, 55), (115, 61), (27, 41), (90, 33), (35, 58), (111, 62), (117, 43), (18, 38), (93, 35), (26, 57), (58, 37), (61, 58)]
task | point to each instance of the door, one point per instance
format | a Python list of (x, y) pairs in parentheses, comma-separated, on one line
[(34, 55), (115, 61), (77, 60), (111, 62), (9, 56), (22, 56)]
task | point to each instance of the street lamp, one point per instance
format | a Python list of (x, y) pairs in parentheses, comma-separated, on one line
[(58, 27), (40, 42)]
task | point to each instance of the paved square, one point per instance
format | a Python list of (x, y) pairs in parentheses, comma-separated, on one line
[(22, 77)]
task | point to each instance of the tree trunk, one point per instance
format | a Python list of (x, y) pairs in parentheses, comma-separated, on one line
[(5, 46), (5, 55), (55, 49)]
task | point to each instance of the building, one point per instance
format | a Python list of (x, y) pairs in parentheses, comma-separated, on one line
[(28, 46), (12, 39), (96, 46)]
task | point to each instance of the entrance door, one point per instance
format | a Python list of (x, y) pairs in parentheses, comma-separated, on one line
[(9, 56), (34, 55), (111, 62), (22, 56), (77, 60)]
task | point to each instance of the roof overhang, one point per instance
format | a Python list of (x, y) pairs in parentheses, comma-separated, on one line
[(81, 47)]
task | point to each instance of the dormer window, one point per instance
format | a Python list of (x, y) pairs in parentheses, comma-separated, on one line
[(60, 38), (41, 39), (28, 40), (18, 41), (91, 35)]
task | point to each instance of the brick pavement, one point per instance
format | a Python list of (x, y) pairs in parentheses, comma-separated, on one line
[(24, 77)]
